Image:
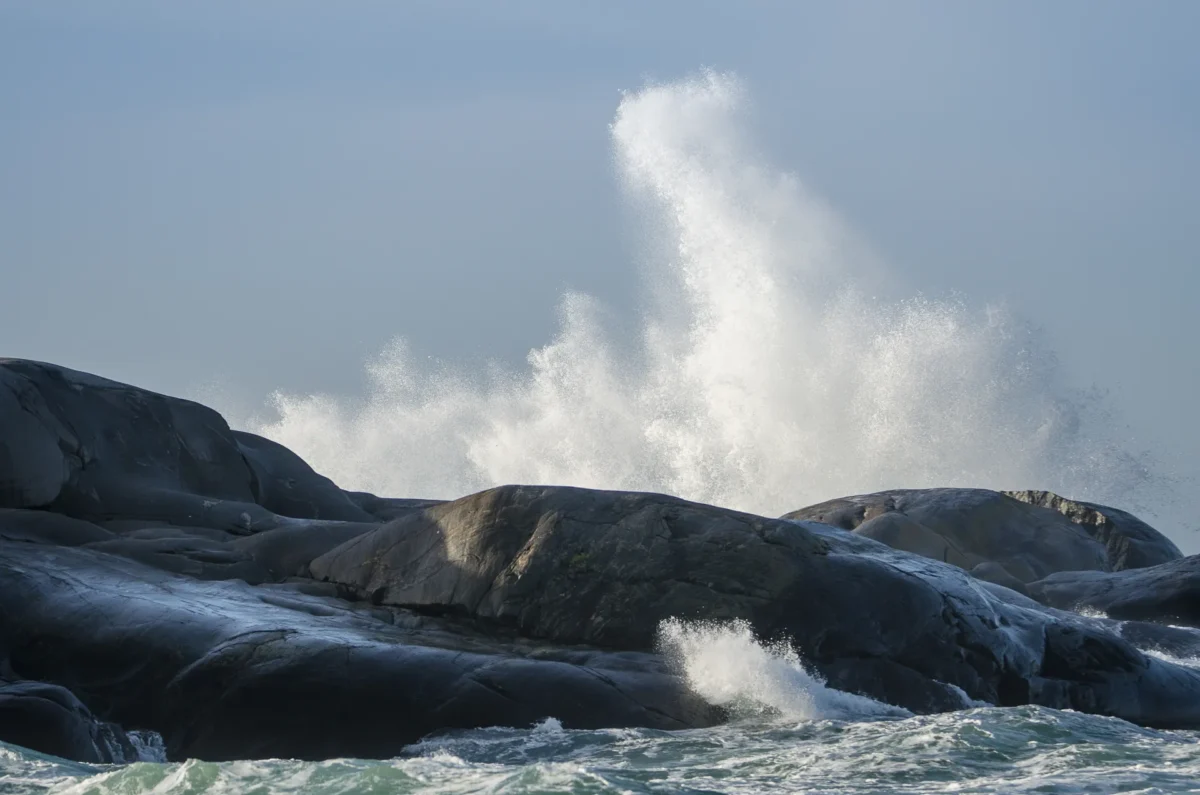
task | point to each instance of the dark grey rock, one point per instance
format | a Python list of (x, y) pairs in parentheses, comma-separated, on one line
[(385, 509), (50, 719), (287, 551), (133, 528), (95, 449), (224, 670), (284, 484), (1167, 593), (968, 527), (1182, 643), (33, 466), (993, 572), (43, 527), (574, 565), (193, 556), (900, 531), (161, 567), (1129, 542)]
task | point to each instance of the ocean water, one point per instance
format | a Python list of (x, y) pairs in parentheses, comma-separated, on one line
[(789, 733), (1023, 749)]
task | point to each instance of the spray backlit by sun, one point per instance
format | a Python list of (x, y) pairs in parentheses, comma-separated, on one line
[(762, 379)]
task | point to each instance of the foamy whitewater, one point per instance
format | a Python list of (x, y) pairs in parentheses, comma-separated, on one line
[(764, 375), (726, 665), (791, 734)]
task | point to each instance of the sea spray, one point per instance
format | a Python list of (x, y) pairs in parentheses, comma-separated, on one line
[(726, 665), (764, 375), (1010, 750)]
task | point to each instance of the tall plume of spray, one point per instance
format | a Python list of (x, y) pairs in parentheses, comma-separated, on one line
[(761, 379)]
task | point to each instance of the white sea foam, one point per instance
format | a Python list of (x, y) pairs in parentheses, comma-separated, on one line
[(726, 665), (763, 376), (1186, 662)]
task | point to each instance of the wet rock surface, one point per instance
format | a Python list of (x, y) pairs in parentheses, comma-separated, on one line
[(159, 571), (50, 719), (1014, 536), (1168, 593), (226, 670), (1129, 542)]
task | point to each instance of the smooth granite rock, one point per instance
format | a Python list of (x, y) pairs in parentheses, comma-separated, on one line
[(583, 566), (1129, 542), (95, 449), (225, 670), (161, 572), (1022, 536), (284, 484), (50, 719), (1167, 593)]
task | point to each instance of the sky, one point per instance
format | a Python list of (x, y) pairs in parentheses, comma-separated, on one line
[(257, 196)]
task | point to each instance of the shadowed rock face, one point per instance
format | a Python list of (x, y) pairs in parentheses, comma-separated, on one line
[(1129, 542), (575, 565), (52, 720), (1010, 538), (160, 571), (283, 483), (96, 449), (225, 670), (92, 448), (1169, 592)]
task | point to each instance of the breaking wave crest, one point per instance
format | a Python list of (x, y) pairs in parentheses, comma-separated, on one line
[(764, 376), (723, 663)]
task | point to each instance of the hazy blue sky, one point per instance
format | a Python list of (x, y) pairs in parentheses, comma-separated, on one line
[(264, 193)]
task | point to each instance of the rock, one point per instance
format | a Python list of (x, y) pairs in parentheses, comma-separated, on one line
[(287, 551), (161, 571), (201, 552), (574, 565), (284, 484), (117, 451), (386, 509), (968, 527), (899, 531), (993, 572), (1180, 643), (1168, 593), (225, 670), (137, 528), (1106, 674), (1129, 542), (570, 564), (50, 719), (98, 450), (33, 467), (201, 558), (43, 527)]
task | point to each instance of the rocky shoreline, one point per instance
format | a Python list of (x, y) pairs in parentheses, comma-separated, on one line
[(161, 572)]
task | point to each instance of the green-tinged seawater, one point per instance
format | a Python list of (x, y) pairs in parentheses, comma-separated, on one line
[(1024, 749)]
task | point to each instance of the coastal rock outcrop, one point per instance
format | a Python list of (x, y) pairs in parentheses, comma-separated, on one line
[(577, 565), (1011, 538), (1129, 542), (50, 719), (1168, 592), (226, 670), (160, 571)]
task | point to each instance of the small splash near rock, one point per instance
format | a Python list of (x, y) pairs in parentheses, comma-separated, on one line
[(126, 747), (726, 665), (548, 726), (147, 745)]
